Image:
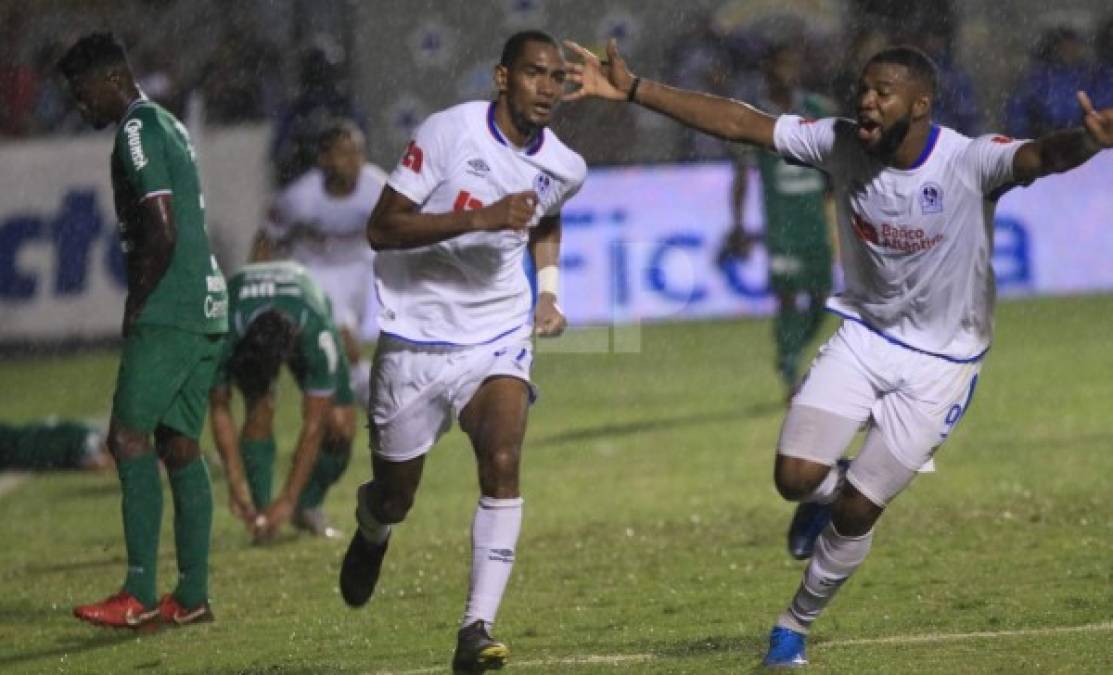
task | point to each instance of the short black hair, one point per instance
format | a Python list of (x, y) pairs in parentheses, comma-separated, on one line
[(95, 50), (517, 42), (335, 130), (261, 351), (916, 61)]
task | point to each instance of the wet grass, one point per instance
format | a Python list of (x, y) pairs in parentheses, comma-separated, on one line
[(652, 536)]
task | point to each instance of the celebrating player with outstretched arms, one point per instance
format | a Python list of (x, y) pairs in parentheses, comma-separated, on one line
[(915, 208)]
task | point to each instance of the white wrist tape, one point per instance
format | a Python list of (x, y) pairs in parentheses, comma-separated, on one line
[(548, 279)]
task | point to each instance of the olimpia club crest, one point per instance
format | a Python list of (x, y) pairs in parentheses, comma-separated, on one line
[(543, 184)]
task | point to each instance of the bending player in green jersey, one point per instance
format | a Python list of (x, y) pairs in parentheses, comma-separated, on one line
[(279, 315), (175, 317), (796, 229), (52, 443)]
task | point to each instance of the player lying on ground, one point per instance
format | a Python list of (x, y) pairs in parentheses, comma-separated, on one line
[(915, 215), (279, 315), (52, 444)]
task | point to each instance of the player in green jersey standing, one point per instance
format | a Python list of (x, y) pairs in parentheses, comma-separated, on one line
[(175, 318), (796, 231), (279, 315)]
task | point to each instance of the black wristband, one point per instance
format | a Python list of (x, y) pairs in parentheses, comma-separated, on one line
[(633, 90)]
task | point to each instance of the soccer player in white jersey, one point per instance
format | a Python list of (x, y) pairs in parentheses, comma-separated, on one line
[(915, 204), (319, 221), (480, 184)]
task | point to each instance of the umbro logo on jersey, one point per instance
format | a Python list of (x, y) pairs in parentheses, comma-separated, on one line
[(931, 198), (477, 167)]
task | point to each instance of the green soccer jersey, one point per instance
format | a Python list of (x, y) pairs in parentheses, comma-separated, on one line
[(318, 363), (794, 195), (153, 156)]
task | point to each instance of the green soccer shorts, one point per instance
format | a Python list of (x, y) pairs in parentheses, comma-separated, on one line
[(164, 379)]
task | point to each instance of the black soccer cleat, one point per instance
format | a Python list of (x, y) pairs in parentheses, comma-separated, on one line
[(477, 651), (360, 570), (807, 523), (809, 520)]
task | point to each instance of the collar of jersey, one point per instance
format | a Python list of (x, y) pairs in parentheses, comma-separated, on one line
[(933, 137), (531, 148), (135, 104)]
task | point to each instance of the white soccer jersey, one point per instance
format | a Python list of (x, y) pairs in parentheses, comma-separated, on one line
[(341, 222), (469, 289), (915, 244)]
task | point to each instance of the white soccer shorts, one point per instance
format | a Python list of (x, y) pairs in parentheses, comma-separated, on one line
[(348, 287), (416, 390), (915, 399)]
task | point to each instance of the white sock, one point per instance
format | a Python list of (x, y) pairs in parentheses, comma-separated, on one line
[(828, 488), (371, 529), (494, 536), (835, 559), (360, 378)]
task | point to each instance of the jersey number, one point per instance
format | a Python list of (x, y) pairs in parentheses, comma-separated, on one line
[(328, 346), (465, 202)]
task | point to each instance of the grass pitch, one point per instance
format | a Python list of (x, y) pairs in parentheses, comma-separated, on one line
[(653, 536)]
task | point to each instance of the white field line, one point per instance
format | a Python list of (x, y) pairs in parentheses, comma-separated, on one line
[(10, 480), (1103, 627), (620, 659)]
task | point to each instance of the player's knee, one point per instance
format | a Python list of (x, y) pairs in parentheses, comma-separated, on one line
[(796, 479), (390, 508), (125, 444)]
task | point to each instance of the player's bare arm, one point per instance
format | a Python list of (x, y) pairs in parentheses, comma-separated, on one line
[(544, 248), (722, 117), (159, 235), (227, 444), (396, 222), (1063, 150), (314, 414)]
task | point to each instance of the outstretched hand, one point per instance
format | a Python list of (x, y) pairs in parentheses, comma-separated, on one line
[(1099, 123), (610, 79)]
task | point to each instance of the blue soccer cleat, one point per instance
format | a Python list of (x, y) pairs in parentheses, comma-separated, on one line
[(808, 522), (786, 649)]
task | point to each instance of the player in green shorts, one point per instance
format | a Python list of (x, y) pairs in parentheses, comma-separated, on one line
[(796, 230), (52, 444), (279, 315), (175, 318)]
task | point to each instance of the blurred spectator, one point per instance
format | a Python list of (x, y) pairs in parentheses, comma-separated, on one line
[(156, 71), (701, 59), (1101, 90), (955, 103), (321, 98), (1045, 95), (242, 80), (54, 110), (18, 79)]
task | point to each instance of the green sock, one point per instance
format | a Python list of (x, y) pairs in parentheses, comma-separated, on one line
[(193, 525), (142, 509), (258, 464), (331, 462), (789, 328)]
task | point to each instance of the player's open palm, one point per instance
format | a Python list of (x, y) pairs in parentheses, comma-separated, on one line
[(548, 319), (609, 80), (1098, 122), (512, 212)]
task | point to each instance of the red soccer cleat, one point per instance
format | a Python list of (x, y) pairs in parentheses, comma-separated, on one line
[(122, 610), (171, 611)]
